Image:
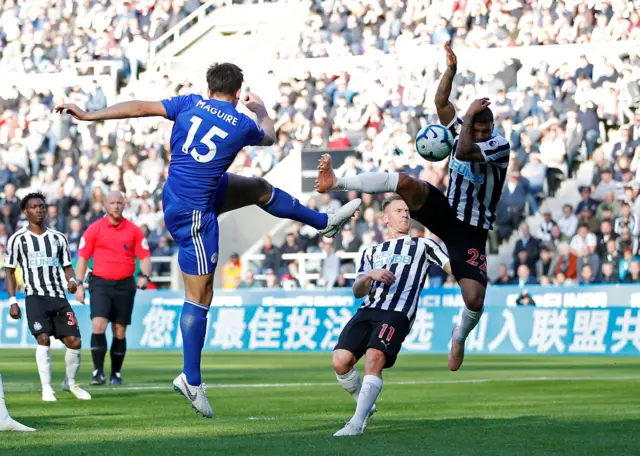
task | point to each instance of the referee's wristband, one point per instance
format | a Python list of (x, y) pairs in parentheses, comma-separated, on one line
[(144, 276), (72, 280), (13, 300)]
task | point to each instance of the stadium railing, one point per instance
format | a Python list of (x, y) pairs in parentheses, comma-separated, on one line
[(180, 30), (81, 74), (173, 34), (159, 278), (481, 61), (302, 260)]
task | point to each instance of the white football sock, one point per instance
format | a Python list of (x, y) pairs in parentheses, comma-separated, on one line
[(468, 321), (370, 182), (371, 387), (43, 359), (72, 360), (4, 413), (351, 383)]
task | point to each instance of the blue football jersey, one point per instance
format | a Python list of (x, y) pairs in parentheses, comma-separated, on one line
[(206, 137)]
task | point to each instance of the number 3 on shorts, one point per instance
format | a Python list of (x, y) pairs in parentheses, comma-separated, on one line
[(72, 319), (475, 255)]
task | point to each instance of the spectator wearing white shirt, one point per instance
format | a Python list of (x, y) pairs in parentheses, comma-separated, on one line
[(583, 238), (553, 151), (568, 223), (544, 229), (330, 265)]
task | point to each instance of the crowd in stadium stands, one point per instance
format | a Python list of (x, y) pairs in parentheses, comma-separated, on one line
[(45, 36), (555, 118), (350, 27)]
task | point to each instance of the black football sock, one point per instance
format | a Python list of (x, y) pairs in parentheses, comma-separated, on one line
[(118, 350), (98, 351)]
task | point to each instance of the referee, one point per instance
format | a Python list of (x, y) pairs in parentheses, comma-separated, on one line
[(114, 242)]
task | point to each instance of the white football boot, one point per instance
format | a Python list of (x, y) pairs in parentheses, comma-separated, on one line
[(48, 395), (197, 395), (76, 391), (339, 217), (9, 424), (349, 429)]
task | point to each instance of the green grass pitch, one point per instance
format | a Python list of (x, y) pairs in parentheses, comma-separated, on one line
[(290, 404)]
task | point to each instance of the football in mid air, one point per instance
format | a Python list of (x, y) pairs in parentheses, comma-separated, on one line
[(434, 142)]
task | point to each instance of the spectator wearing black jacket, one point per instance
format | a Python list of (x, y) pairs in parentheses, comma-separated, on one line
[(530, 244), (587, 201), (608, 273), (603, 236)]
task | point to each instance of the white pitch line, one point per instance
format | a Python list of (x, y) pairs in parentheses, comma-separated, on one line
[(168, 386)]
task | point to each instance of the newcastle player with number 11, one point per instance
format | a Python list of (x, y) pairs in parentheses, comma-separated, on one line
[(41, 253), (390, 277)]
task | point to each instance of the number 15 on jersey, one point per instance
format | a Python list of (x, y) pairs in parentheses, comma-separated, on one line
[(207, 140)]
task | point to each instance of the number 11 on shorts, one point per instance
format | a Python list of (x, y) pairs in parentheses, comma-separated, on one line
[(384, 330)]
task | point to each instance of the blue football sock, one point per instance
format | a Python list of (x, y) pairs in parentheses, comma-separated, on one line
[(283, 205), (193, 324)]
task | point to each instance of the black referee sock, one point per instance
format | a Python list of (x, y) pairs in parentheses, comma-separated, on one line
[(118, 350), (98, 350)]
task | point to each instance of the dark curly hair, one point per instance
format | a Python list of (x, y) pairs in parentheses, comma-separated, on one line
[(24, 201)]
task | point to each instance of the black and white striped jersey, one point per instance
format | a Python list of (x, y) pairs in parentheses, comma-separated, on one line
[(475, 187), (41, 259), (409, 259)]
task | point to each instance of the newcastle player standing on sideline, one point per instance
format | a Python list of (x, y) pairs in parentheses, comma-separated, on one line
[(41, 253), (390, 278), (114, 242)]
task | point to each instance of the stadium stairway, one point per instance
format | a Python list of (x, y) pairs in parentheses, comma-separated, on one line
[(567, 193), (236, 33), (242, 230)]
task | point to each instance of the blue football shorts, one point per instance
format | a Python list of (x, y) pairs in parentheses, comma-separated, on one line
[(195, 231)]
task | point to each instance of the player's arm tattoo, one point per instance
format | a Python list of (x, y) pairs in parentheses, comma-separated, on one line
[(467, 150), (446, 111)]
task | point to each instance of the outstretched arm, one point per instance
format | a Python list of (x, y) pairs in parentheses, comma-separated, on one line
[(125, 110), (467, 150), (445, 109)]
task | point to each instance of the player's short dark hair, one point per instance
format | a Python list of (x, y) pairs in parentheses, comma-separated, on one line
[(225, 78), (390, 200), (30, 196), (484, 116)]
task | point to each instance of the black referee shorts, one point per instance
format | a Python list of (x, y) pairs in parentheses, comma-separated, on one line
[(112, 299), (51, 315), (384, 330)]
